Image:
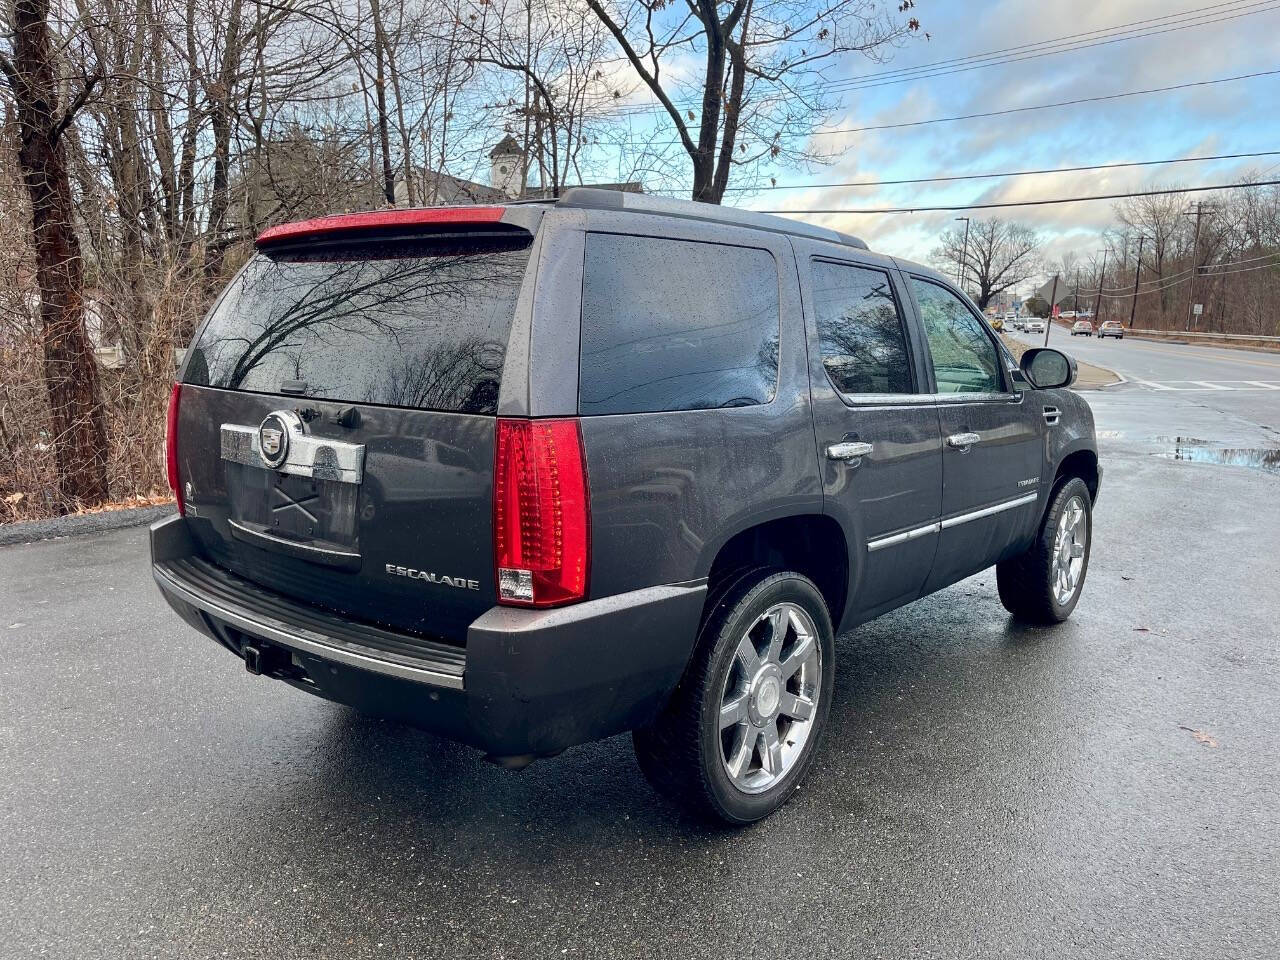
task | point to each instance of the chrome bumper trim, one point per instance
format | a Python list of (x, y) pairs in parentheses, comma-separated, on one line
[(310, 643)]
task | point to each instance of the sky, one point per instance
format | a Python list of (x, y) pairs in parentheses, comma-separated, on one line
[(1229, 39)]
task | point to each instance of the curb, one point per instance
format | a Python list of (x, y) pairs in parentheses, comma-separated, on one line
[(1120, 379), (30, 531)]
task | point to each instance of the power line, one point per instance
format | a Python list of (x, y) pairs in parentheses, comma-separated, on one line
[(1171, 281), (1006, 173), (1012, 110), (1032, 203), (1068, 44)]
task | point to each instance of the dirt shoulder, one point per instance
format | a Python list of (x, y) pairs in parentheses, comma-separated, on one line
[(1088, 377)]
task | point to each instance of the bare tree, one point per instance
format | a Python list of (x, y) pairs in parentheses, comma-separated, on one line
[(999, 256), (555, 48), (763, 66), (70, 372)]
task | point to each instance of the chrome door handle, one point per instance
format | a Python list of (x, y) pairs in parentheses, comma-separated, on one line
[(850, 451), (963, 441)]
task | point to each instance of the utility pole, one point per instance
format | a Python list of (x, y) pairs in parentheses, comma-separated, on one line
[(964, 254), (1097, 302), (1137, 270), (1076, 306), (1053, 309), (1195, 259)]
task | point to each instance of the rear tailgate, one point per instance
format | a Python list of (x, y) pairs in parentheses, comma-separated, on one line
[(336, 424)]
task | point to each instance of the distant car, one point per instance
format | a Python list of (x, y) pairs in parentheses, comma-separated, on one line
[(1112, 328), (1035, 326), (1082, 328), (1068, 315)]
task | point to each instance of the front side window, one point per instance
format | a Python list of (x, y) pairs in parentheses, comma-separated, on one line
[(964, 357), (860, 332), (676, 325)]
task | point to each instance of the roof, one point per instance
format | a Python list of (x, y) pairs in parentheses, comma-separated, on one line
[(507, 146), (575, 197), (597, 199)]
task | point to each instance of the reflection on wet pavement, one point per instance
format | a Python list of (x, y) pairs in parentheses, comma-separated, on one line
[(1201, 451)]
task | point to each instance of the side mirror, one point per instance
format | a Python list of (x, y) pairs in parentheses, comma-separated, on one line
[(1048, 368)]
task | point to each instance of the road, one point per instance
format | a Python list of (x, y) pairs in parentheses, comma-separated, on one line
[(1107, 788), (1237, 382)]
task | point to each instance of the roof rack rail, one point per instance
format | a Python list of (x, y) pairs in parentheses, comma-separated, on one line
[(592, 198)]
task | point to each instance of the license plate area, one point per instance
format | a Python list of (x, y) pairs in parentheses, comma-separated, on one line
[(304, 517)]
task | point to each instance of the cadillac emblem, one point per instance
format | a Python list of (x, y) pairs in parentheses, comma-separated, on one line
[(273, 439)]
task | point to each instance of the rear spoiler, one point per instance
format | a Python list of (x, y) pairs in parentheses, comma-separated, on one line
[(381, 220)]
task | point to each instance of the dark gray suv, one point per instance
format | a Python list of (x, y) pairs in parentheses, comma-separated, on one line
[(537, 474)]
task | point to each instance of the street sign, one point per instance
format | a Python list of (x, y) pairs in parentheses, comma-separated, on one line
[(1198, 309)]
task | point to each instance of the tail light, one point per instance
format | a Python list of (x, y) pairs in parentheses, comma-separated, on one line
[(541, 527), (171, 447)]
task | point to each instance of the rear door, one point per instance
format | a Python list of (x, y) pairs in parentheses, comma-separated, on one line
[(993, 446), (337, 423), (876, 424)]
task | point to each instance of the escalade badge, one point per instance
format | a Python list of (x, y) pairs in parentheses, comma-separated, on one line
[(273, 440)]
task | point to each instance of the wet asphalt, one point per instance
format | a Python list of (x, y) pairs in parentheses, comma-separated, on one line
[(1107, 788)]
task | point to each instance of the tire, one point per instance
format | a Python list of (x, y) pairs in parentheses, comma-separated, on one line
[(1029, 584), (687, 754)]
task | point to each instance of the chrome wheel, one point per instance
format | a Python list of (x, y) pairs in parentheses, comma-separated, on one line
[(770, 697), (1069, 545)]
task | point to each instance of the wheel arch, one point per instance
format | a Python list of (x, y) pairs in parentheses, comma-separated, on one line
[(812, 544), (1082, 462)]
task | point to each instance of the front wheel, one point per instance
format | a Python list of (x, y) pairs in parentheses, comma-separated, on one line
[(1043, 585), (741, 729)]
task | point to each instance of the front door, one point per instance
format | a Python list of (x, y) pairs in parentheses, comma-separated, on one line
[(992, 440), (877, 425)]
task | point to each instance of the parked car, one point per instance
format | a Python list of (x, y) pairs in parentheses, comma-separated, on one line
[(537, 474), (1111, 328), (1035, 326), (1082, 328)]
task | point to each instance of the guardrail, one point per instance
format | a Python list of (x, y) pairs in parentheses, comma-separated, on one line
[(1202, 335)]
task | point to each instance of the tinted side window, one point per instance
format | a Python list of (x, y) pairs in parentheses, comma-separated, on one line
[(676, 325), (860, 332), (964, 358)]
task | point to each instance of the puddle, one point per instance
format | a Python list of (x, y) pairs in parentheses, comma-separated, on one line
[(1198, 451)]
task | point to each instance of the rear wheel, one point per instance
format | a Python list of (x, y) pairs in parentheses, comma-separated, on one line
[(1043, 585), (741, 729)]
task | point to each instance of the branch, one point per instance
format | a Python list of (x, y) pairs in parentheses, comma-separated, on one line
[(647, 77), (74, 107)]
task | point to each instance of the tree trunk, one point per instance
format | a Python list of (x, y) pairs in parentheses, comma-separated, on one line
[(222, 96), (380, 92), (70, 371)]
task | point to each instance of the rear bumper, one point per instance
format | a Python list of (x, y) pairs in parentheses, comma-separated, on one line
[(528, 681)]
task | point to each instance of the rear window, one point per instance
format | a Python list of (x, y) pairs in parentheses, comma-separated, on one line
[(676, 325), (421, 325)]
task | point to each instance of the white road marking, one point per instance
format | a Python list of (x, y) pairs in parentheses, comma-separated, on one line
[(1208, 386)]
